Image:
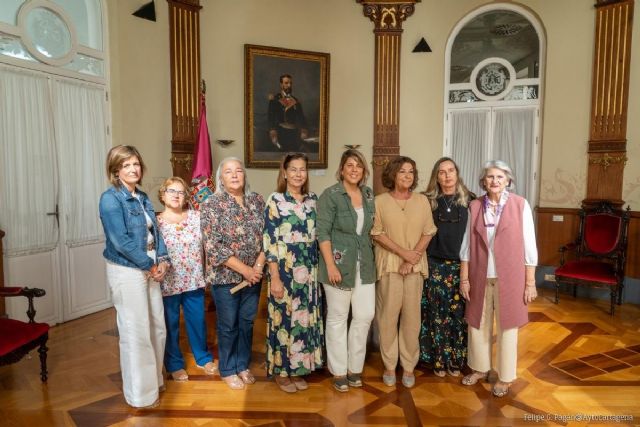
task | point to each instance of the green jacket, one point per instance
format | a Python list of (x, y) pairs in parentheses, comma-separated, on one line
[(336, 222)]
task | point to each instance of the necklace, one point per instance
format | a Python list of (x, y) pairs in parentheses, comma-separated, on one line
[(448, 203), (402, 206)]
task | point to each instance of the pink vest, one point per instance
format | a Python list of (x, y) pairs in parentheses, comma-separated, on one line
[(508, 250)]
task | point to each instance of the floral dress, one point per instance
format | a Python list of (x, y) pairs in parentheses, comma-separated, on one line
[(184, 244), (294, 324)]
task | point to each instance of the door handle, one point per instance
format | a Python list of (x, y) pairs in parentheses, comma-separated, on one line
[(56, 213)]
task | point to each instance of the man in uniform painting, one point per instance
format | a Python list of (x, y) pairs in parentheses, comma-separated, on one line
[(287, 124)]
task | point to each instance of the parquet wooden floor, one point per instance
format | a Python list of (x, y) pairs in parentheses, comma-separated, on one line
[(575, 361)]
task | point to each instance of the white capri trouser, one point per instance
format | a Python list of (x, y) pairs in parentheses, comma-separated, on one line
[(140, 316), (347, 353), (506, 340)]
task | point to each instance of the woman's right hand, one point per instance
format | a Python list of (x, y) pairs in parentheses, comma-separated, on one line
[(276, 287), (252, 275), (334, 274), (465, 287), (411, 256)]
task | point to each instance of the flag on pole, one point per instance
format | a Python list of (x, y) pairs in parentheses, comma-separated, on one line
[(202, 185)]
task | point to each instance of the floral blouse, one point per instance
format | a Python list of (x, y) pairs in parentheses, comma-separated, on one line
[(184, 244), (229, 229)]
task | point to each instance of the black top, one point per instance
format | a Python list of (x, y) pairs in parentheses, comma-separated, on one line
[(451, 220)]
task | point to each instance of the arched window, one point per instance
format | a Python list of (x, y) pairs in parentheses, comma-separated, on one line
[(493, 93)]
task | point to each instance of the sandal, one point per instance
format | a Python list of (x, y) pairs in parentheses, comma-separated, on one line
[(180, 375), (500, 389), (247, 377), (286, 384), (299, 382), (454, 372), (209, 368), (341, 384), (234, 382), (474, 377)]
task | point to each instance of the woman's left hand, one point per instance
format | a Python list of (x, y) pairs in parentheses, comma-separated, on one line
[(530, 293), (405, 268), (160, 272)]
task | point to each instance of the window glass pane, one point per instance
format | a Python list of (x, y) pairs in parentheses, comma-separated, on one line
[(9, 11), (86, 16), (49, 33), (86, 65), (11, 46), (497, 33)]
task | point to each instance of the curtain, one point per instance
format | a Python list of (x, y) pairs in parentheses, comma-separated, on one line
[(79, 111), (513, 143), (469, 145), (27, 163)]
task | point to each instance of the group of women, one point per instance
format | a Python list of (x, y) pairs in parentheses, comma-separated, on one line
[(432, 269)]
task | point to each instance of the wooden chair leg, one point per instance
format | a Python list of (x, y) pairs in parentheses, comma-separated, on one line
[(43, 361), (557, 292), (613, 299), (575, 291), (620, 288)]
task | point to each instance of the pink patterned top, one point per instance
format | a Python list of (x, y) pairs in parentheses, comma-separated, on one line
[(184, 244)]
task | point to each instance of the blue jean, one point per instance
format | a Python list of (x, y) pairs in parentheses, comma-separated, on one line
[(192, 303), (236, 313)]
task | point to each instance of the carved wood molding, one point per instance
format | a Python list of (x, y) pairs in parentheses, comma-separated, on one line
[(184, 38), (609, 98), (387, 16)]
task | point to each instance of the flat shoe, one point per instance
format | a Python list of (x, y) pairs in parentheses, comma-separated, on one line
[(498, 391), (474, 377), (209, 368), (341, 384), (180, 375), (247, 377), (234, 382), (286, 384), (300, 383), (389, 380), (408, 380)]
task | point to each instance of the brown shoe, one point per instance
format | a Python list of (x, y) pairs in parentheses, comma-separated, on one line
[(300, 383), (180, 375), (286, 384), (247, 377)]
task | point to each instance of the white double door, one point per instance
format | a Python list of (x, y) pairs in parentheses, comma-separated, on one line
[(54, 139)]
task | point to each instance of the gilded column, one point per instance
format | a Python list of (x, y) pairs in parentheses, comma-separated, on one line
[(609, 100), (184, 33), (387, 16)]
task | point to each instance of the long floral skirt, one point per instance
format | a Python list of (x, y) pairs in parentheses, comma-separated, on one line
[(443, 335)]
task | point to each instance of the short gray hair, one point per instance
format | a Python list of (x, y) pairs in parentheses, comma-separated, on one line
[(497, 164), (220, 185)]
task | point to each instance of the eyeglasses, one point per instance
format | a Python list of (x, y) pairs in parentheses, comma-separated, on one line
[(173, 192)]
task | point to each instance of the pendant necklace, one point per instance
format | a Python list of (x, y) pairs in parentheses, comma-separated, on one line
[(402, 206), (448, 203)]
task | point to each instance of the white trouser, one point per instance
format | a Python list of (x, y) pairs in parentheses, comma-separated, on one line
[(343, 353), (480, 340), (140, 315)]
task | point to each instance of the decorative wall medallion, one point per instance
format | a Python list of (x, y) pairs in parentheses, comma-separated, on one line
[(493, 78)]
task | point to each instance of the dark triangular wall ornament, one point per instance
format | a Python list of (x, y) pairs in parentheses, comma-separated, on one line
[(148, 11), (422, 46)]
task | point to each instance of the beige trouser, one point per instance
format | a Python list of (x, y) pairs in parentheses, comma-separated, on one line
[(399, 296), (506, 340)]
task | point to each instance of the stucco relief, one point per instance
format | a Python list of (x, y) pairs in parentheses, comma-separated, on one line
[(631, 193), (564, 190)]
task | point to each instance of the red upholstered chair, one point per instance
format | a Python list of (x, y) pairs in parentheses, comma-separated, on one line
[(18, 338), (600, 252)]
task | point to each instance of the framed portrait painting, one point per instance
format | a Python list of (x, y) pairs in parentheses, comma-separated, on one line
[(286, 105)]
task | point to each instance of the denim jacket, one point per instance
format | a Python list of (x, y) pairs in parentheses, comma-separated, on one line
[(125, 229)]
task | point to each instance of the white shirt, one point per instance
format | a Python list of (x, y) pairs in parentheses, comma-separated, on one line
[(529, 235)]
